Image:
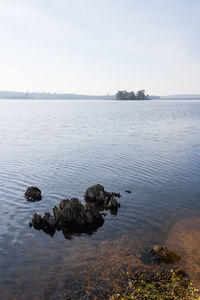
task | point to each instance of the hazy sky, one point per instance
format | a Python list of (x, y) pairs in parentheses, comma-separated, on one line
[(100, 46)]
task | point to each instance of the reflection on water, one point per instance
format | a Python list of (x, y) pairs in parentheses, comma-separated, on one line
[(151, 148)]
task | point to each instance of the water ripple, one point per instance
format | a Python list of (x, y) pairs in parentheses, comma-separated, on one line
[(63, 147)]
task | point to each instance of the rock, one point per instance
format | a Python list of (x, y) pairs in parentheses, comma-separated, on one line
[(71, 217), (163, 255), (46, 223), (127, 191), (113, 203), (36, 221), (118, 195), (33, 194), (72, 214), (49, 224), (97, 195)]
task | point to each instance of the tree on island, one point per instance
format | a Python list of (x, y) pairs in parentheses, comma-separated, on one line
[(141, 95), (124, 95)]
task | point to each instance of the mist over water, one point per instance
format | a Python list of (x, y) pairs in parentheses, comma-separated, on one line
[(150, 147)]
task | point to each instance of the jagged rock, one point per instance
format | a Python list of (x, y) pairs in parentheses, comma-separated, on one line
[(33, 194), (118, 195), (46, 223), (72, 214), (113, 203), (36, 221), (71, 217), (97, 195), (163, 255)]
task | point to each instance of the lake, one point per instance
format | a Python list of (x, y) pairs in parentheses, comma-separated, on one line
[(150, 147)]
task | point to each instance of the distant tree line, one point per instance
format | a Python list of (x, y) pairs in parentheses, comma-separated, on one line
[(124, 95), (45, 95)]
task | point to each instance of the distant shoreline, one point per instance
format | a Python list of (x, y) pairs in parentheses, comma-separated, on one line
[(15, 95), (189, 98), (100, 99)]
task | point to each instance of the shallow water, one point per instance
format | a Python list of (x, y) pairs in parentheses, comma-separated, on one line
[(151, 148)]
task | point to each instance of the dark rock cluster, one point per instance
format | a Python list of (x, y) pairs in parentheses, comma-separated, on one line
[(97, 195), (72, 213), (72, 216)]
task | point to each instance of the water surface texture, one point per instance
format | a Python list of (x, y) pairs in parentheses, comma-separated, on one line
[(151, 148)]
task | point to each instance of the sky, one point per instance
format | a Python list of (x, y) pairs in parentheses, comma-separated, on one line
[(100, 46)]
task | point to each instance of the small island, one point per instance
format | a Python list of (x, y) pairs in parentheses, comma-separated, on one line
[(124, 95)]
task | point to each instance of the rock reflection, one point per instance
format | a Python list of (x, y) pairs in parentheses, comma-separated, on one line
[(69, 233)]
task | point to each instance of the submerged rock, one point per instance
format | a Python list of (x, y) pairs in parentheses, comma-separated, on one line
[(33, 194), (69, 216), (97, 195), (163, 255)]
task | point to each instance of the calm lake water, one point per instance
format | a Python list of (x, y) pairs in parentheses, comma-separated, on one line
[(151, 148)]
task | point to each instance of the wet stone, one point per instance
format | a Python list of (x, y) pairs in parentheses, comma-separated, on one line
[(70, 216), (163, 255), (33, 194), (97, 195)]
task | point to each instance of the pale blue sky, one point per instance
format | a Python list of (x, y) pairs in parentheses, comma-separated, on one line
[(100, 46)]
